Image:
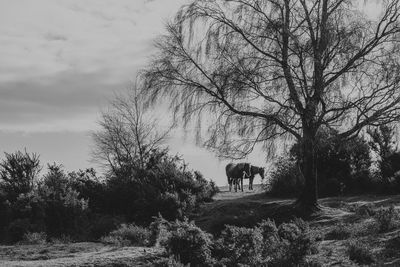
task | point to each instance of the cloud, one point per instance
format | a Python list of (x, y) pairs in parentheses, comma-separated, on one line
[(45, 37), (68, 96), (54, 37), (61, 60)]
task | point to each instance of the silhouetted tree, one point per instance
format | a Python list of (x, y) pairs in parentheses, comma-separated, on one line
[(271, 70), (128, 135), (18, 172)]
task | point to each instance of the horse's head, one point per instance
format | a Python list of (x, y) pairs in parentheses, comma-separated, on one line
[(261, 172)]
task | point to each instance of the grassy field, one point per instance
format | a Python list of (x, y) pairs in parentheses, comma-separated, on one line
[(347, 222)]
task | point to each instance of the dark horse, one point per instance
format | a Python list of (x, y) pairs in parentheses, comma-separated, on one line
[(240, 171)]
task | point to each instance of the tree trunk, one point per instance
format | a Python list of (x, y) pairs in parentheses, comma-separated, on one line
[(308, 199)]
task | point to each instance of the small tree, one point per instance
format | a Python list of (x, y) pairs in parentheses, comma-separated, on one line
[(128, 135), (18, 172), (64, 206), (383, 144)]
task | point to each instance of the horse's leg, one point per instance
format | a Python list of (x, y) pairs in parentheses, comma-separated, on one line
[(241, 181), (251, 183), (230, 184)]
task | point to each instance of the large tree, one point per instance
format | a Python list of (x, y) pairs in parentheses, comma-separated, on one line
[(280, 69)]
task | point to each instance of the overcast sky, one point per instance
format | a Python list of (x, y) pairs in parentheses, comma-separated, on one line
[(61, 60)]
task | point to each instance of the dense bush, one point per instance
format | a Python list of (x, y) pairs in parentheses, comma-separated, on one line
[(84, 207), (189, 243), (285, 178), (102, 224), (359, 252), (392, 247), (240, 245), (129, 235), (342, 167), (18, 172), (265, 244), (340, 231), (65, 209), (386, 218), (34, 238), (164, 186)]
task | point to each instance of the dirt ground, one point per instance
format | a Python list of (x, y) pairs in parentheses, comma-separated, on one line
[(239, 208), (76, 254)]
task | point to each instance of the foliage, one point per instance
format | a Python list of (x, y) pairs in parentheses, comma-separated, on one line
[(34, 238), (285, 178), (342, 167), (65, 209), (189, 243), (18, 172), (89, 186), (360, 252), (240, 245), (102, 224), (265, 244), (297, 242), (340, 231), (392, 247), (17, 228), (383, 144), (84, 207), (129, 234), (164, 187), (386, 218), (159, 229)]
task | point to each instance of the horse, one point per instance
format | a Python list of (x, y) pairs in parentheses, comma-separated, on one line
[(240, 171)]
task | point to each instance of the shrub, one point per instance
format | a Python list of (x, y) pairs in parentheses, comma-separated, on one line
[(17, 229), (63, 239), (164, 186), (129, 234), (189, 243), (365, 228), (359, 252), (285, 178), (385, 217), (17, 173), (365, 210), (342, 165), (297, 243), (340, 231), (159, 230), (34, 238), (265, 244), (240, 245), (101, 225), (114, 240), (392, 247), (65, 209)]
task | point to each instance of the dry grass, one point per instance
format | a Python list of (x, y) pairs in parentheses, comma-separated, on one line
[(76, 254)]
